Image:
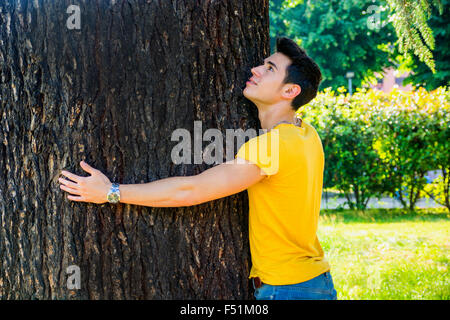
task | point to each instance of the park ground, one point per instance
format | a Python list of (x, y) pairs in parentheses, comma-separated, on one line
[(388, 253)]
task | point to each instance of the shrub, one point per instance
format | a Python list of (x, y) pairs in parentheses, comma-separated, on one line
[(377, 143)]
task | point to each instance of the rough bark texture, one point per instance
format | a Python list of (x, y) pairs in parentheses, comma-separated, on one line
[(112, 93)]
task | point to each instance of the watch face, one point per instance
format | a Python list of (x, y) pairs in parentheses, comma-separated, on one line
[(113, 197)]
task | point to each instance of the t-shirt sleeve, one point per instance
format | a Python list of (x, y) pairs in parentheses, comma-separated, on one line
[(264, 151)]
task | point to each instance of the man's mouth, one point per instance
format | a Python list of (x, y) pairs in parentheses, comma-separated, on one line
[(250, 81)]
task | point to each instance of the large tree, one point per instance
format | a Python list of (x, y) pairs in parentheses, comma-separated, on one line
[(110, 88)]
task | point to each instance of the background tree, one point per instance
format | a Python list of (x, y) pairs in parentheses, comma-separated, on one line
[(409, 18), (360, 35), (111, 93), (422, 74), (336, 35)]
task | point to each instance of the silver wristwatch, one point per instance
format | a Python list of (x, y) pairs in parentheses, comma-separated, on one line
[(114, 194)]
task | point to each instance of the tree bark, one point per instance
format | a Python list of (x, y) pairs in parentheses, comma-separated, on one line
[(112, 93)]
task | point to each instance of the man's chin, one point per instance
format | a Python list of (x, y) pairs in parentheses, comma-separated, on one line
[(247, 93)]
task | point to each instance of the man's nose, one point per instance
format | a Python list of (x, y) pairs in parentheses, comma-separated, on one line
[(255, 71)]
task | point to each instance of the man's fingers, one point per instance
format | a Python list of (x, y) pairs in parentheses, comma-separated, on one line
[(72, 176), (68, 183), (73, 198), (87, 168), (73, 191)]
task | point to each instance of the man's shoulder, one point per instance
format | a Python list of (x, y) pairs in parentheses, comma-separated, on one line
[(305, 131), (300, 141), (286, 136)]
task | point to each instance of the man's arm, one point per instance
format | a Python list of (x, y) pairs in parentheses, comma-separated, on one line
[(218, 182)]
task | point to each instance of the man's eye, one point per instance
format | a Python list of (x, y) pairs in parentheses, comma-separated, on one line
[(270, 68)]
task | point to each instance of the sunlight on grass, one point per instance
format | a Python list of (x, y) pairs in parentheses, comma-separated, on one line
[(398, 257)]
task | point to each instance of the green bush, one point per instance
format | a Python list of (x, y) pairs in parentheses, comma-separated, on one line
[(377, 143)]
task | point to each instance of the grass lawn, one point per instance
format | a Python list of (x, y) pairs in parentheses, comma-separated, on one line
[(388, 254)]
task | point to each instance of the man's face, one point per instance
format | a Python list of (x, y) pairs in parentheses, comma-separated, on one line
[(266, 84)]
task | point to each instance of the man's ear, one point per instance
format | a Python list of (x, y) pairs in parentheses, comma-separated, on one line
[(291, 91)]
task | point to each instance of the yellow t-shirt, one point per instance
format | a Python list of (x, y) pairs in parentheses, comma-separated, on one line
[(285, 205)]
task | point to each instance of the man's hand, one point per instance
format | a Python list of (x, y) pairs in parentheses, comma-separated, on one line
[(87, 189)]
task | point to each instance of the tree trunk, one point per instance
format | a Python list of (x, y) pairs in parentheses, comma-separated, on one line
[(111, 93)]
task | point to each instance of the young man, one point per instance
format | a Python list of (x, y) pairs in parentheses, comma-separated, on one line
[(284, 193)]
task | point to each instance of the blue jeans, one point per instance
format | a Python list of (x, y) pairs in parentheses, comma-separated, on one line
[(318, 288)]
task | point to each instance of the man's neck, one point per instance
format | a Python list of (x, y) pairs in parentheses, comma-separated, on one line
[(270, 116)]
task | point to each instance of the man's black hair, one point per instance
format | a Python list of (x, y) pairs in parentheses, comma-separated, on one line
[(302, 71)]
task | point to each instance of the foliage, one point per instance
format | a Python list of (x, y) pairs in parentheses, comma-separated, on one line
[(421, 74), (348, 143), (358, 36), (377, 143), (410, 21), (438, 189), (335, 34), (413, 135), (439, 147)]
